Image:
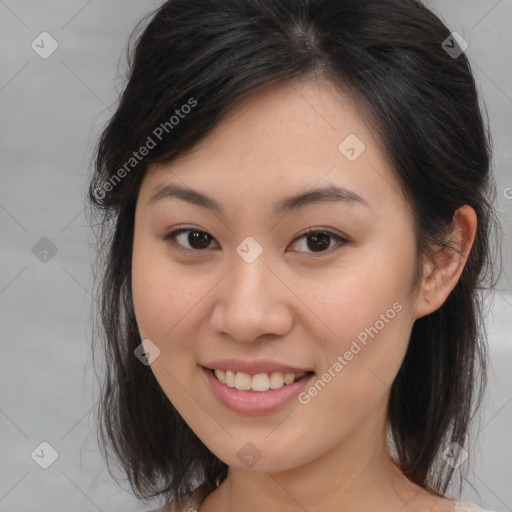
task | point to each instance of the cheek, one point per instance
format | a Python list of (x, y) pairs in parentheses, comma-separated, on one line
[(359, 361), (163, 299), (162, 294), (364, 318), (151, 292), (348, 306)]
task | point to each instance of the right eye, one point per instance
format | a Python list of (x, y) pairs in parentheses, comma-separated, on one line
[(196, 239)]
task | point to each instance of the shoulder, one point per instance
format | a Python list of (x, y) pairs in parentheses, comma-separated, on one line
[(466, 506), (191, 502), (186, 502)]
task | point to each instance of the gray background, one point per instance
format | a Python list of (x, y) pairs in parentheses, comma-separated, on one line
[(52, 111)]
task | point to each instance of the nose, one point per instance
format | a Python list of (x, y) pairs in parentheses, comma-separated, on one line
[(252, 302)]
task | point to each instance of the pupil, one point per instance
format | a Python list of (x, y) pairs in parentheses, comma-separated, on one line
[(321, 239), (199, 239)]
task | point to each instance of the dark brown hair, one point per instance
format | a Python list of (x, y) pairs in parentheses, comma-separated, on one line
[(423, 105)]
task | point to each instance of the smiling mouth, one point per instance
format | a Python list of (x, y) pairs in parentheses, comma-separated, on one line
[(260, 382)]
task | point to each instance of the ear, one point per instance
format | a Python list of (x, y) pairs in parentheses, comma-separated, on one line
[(443, 272)]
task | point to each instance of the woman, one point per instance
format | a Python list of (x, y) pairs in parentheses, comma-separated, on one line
[(295, 196)]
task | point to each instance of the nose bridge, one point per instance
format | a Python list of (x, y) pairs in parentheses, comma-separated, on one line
[(249, 285), (250, 302), (248, 278), (250, 272)]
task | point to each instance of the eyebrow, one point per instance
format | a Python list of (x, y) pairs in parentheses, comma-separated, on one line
[(329, 193)]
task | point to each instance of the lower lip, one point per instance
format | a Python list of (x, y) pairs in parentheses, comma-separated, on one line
[(254, 402)]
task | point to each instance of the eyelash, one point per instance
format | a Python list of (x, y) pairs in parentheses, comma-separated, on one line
[(170, 236)]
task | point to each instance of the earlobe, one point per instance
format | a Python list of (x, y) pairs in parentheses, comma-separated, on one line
[(443, 272)]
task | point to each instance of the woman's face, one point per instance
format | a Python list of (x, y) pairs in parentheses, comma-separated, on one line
[(247, 289)]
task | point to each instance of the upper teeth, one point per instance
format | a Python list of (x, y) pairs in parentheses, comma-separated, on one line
[(259, 382)]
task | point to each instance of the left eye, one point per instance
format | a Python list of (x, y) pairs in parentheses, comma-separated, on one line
[(316, 240), (320, 241)]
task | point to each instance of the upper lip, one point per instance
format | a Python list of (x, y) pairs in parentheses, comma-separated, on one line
[(253, 367)]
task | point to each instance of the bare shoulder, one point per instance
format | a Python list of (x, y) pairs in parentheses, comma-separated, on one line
[(467, 506), (191, 503)]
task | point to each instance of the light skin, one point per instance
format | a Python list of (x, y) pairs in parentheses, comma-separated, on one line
[(292, 304)]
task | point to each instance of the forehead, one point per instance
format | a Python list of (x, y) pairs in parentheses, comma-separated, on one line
[(289, 137)]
